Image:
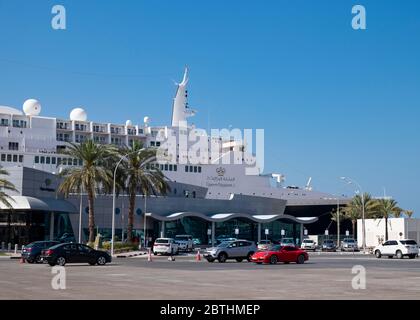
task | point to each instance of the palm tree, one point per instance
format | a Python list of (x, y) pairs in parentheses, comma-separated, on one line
[(141, 175), (354, 209), (6, 185), (92, 175), (387, 208), (6, 199), (409, 213), (335, 217)]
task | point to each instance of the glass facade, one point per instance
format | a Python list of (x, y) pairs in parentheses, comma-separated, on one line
[(246, 228), (23, 227)]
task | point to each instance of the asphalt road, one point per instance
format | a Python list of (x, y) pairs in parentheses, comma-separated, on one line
[(324, 276)]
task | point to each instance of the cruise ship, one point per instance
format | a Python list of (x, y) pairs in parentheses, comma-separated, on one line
[(223, 192)]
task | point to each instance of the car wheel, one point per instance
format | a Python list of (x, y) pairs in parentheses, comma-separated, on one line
[(61, 261), (249, 256), (399, 254), (300, 259), (30, 260), (101, 261), (222, 257), (154, 253), (273, 259), (239, 259), (378, 254), (38, 259)]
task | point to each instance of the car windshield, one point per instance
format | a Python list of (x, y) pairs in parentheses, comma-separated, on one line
[(224, 244), (409, 242), (34, 244), (162, 241), (276, 248)]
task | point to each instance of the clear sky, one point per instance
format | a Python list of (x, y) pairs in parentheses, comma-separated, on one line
[(333, 101)]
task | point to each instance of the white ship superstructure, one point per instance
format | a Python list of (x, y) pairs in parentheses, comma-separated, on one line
[(30, 140)]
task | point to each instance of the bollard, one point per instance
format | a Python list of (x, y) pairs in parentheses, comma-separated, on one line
[(16, 248), (3, 246), (9, 247)]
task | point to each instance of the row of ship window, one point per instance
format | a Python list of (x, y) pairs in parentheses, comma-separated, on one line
[(58, 161), (173, 167), (97, 128), (15, 123), (11, 158)]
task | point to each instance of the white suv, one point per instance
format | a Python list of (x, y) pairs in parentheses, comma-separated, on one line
[(185, 242), (165, 246), (308, 244), (398, 248)]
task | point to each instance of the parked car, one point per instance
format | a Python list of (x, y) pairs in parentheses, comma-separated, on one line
[(398, 248), (64, 253), (264, 244), (239, 250), (328, 245), (308, 244), (349, 244), (165, 246), (32, 252), (185, 242), (287, 242), (278, 253)]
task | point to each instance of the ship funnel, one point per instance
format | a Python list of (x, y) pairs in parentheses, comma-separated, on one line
[(180, 109)]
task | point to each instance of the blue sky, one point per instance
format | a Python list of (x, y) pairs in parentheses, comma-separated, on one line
[(333, 101)]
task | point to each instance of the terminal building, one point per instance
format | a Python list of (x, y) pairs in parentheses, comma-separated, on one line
[(208, 199)]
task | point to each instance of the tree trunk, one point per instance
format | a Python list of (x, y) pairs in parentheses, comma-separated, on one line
[(91, 215), (386, 228), (9, 225), (131, 216)]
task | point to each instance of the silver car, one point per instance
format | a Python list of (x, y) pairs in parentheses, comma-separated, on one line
[(238, 250), (349, 245)]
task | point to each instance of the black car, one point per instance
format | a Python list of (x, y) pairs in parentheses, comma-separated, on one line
[(74, 253), (32, 252)]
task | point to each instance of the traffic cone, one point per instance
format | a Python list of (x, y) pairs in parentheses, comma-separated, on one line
[(149, 258), (198, 256)]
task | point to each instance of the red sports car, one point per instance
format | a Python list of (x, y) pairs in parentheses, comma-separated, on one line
[(279, 253)]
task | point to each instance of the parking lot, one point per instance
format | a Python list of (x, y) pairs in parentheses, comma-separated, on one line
[(324, 276)]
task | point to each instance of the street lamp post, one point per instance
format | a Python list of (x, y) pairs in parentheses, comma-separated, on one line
[(351, 181), (113, 205)]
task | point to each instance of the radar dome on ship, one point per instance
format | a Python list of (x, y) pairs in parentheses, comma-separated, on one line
[(78, 114), (32, 107)]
